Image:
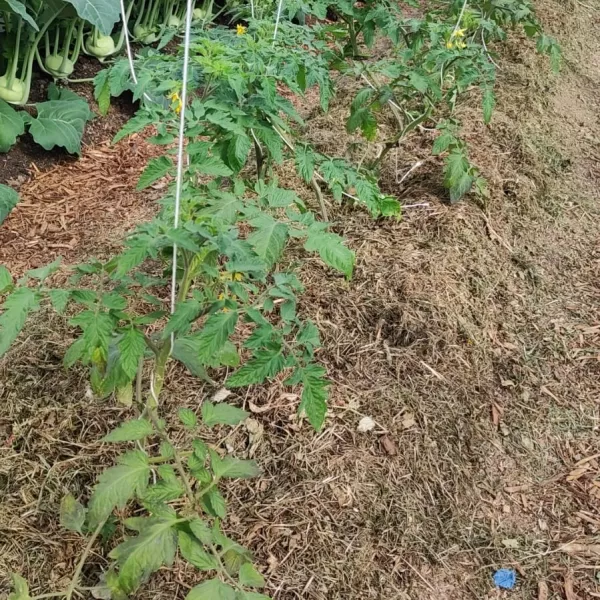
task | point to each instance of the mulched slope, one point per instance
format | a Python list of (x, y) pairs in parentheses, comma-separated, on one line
[(469, 334)]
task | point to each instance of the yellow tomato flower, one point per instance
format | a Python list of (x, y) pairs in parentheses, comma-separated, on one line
[(449, 45), (237, 277), (240, 29), (461, 44), (459, 33), (176, 102)]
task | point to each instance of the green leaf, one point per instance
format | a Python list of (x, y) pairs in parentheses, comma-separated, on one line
[(227, 357), (164, 491), (227, 544), (309, 335), (185, 313), (131, 347), (11, 126), (60, 123), (390, 207), (331, 249), (456, 166), (62, 93), (156, 169), (365, 119), (212, 165), (20, 588), (186, 351), (222, 414), (124, 394), (461, 187), (141, 555), (253, 596), (269, 238), (419, 82), (224, 206), (305, 162), (59, 299), (489, 103), (368, 126), (74, 353), (264, 365), (250, 577), (233, 468), (215, 503), (8, 200), (288, 310), (129, 431), (188, 417), (43, 272), (130, 258), (167, 450), (17, 307), (363, 97), (443, 142), (212, 590), (217, 329), (314, 394), (20, 9), (273, 143), (281, 198), (103, 14), (6, 280), (72, 513), (102, 91), (138, 123), (238, 151), (118, 484), (201, 530), (97, 328), (193, 551)]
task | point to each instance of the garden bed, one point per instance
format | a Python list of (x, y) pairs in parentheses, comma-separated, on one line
[(470, 334)]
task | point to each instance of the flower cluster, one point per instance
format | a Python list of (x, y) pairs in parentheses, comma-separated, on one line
[(456, 40), (176, 102)]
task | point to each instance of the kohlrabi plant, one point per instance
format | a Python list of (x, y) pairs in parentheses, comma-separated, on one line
[(59, 121), (153, 18), (103, 45), (61, 47), (25, 24)]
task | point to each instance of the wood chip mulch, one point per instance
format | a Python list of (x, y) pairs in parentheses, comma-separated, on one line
[(72, 208)]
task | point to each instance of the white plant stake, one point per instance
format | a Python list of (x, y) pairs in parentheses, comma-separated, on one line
[(125, 19), (181, 143), (279, 8)]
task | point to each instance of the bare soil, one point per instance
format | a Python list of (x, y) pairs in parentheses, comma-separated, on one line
[(470, 334)]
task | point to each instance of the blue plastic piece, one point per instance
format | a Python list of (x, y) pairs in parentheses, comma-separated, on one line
[(505, 578)]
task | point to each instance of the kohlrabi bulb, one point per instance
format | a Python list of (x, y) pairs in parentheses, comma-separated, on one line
[(58, 66), (14, 94), (198, 14), (103, 46)]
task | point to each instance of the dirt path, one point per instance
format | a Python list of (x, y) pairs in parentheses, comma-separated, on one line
[(470, 334)]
